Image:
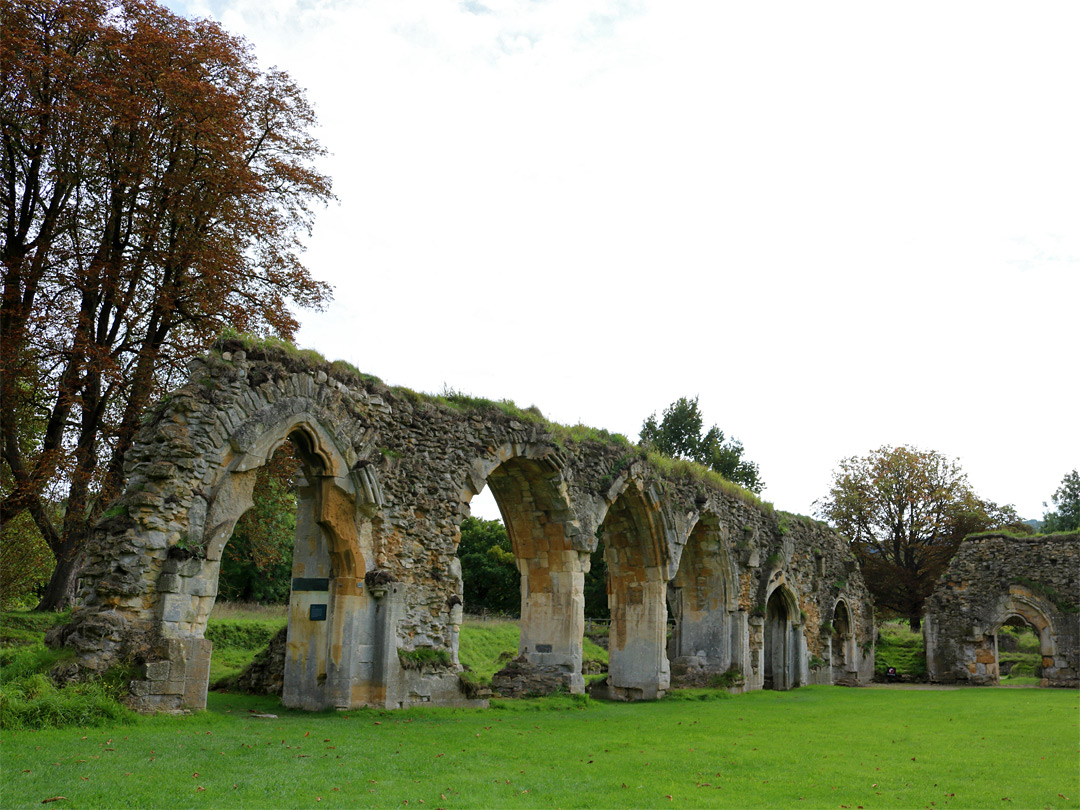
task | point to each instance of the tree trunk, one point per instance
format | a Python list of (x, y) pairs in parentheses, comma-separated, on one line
[(915, 622), (62, 589)]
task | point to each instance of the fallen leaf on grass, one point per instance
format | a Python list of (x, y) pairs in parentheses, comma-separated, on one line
[(199, 789), (54, 799)]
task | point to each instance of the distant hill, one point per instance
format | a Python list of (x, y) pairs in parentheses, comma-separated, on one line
[(1035, 524)]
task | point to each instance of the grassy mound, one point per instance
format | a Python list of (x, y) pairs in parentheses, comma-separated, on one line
[(240, 631), (898, 646), (486, 646), (30, 700)]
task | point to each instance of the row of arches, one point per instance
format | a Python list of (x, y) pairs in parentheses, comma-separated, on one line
[(374, 574)]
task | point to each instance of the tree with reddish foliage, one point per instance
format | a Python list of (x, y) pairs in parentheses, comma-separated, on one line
[(156, 184), (905, 511)]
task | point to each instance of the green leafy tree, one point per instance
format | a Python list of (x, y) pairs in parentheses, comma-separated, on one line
[(489, 573), (681, 433), (596, 597), (256, 565), (1066, 514), (905, 511)]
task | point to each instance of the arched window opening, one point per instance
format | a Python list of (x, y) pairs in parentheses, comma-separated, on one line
[(842, 643)]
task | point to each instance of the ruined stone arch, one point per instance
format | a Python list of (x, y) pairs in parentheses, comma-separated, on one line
[(389, 475), (1020, 603), (990, 578), (703, 600)]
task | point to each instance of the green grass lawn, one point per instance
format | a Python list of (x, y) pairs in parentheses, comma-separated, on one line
[(813, 747)]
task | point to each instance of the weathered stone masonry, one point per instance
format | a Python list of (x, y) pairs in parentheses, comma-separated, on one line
[(387, 478), (992, 579)]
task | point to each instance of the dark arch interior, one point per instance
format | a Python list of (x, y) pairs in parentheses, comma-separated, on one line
[(777, 642), (841, 631)]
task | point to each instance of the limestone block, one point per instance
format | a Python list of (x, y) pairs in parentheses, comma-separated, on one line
[(157, 670)]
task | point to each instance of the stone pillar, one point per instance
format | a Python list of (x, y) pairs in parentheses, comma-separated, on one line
[(637, 652), (389, 689), (553, 614), (310, 617), (755, 670)]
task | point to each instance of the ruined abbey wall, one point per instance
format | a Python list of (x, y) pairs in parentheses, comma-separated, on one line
[(387, 479), (994, 578)]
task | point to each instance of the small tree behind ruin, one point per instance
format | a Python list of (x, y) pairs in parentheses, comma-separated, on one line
[(906, 511)]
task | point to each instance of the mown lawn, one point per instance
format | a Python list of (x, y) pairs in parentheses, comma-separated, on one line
[(811, 747)]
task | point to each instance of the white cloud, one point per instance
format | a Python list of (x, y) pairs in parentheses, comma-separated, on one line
[(841, 224)]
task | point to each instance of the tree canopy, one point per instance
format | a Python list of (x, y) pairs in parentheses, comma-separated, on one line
[(905, 511), (1065, 517), (490, 578), (681, 433), (156, 185)]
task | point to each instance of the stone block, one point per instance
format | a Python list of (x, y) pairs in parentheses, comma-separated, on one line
[(157, 670)]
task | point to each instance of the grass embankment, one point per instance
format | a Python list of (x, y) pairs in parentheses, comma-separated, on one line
[(899, 646), (240, 631), (486, 646), (812, 747)]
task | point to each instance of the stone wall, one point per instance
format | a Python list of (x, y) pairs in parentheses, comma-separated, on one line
[(994, 578), (387, 479)]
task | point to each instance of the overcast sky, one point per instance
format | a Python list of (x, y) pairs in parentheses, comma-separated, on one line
[(841, 225)]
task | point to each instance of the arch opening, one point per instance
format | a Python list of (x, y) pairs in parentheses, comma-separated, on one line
[(1020, 643), (842, 643), (540, 525), (702, 601), (636, 571)]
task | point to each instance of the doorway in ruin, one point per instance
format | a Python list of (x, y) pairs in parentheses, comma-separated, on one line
[(702, 601), (1017, 649), (782, 647), (842, 647), (636, 561), (1020, 642), (535, 511)]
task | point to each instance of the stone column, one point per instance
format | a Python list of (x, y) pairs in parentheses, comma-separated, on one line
[(553, 614), (637, 653)]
